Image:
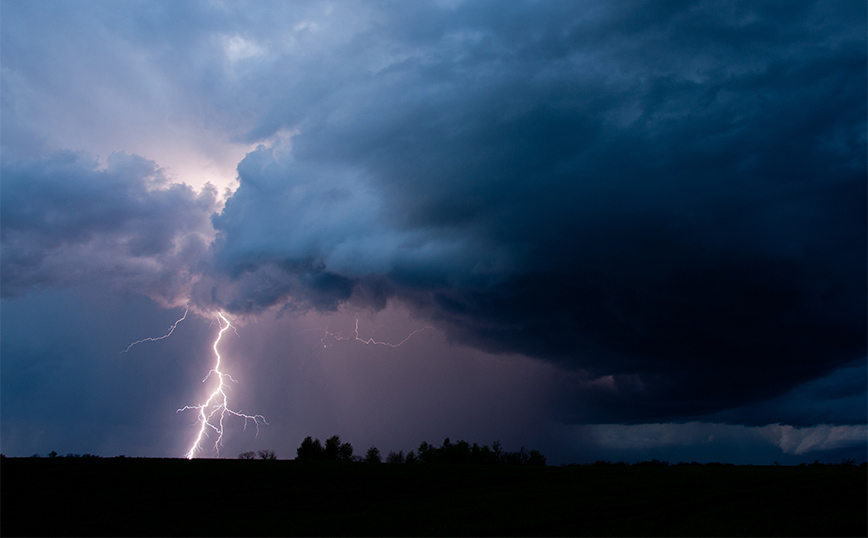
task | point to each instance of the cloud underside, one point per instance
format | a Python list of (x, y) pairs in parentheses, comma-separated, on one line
[(669, 202), (790, 440)]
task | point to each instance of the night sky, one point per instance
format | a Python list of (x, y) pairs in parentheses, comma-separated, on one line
[(627, 230)]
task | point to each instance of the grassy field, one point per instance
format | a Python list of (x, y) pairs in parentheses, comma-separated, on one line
[(148, 497)]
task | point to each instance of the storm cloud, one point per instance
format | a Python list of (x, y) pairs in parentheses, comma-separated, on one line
[(663, 206), (673, 197), (67, 221)]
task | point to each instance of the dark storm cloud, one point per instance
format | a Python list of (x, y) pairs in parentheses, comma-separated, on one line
[(66, 221), (667, 200), (838, 397), (672, 195)]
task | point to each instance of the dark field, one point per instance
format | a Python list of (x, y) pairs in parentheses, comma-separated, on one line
[(127, 497)]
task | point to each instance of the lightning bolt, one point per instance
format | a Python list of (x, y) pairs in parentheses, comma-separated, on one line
[(168, 334), (213, 412), (370, 341)]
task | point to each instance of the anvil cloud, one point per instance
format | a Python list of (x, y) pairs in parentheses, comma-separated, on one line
[(664, 203)]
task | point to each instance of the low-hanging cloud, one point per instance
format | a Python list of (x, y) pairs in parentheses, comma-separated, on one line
[(790, 440)]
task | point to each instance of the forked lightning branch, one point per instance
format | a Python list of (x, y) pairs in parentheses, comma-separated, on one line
[(213, 412)]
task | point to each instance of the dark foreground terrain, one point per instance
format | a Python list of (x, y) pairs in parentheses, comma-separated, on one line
[(127, 497)]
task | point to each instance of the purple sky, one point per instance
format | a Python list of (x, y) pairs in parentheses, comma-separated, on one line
[(629, 230)]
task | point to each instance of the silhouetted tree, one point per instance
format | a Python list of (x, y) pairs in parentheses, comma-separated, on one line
[(267, 455), (426, 453), (497, 448), (411, 458), (345, 452), (463, 453), (652, 463), (395, 457), (455, 453), (332, 447), (251, 455), (373, 455), (606, 463), (482, 455), (516, 458), (310, 449), (536, 458)]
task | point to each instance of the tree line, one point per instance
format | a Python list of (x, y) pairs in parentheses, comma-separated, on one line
[(460, 452)]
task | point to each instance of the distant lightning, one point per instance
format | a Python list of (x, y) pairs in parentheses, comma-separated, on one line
[(370, 341), (213, 411), (168, 334)]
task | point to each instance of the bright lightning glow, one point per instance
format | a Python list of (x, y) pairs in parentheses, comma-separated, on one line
[(168, 334), (213, 412), (369, 341)]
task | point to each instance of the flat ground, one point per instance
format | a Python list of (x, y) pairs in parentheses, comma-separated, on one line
[(166, 497)]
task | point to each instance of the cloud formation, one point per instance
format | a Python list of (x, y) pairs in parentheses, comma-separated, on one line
[(674, 198), (66, 221), (667, 201), (790, 440)]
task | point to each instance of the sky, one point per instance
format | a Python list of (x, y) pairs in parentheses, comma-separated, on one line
[(617, 230)]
